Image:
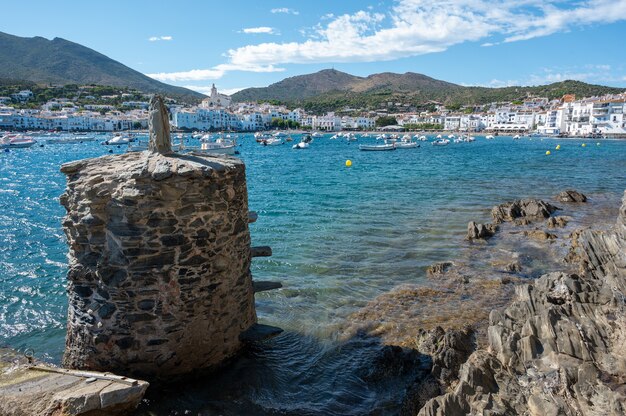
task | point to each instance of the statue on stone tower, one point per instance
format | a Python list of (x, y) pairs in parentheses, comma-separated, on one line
[(159, 127)]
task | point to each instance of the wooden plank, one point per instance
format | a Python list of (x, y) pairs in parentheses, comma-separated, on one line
[(252, 216), (259, 332), (86, 374), (261, 251), (263, 285)]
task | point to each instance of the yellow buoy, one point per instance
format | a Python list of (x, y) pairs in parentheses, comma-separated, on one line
[(584, 145), (548, 153), (348, 163), (558, 147)]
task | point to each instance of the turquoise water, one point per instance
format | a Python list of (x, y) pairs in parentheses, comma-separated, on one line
[(340, 237)]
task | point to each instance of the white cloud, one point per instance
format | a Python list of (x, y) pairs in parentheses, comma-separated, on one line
[(416, 27), (215, 72), (158, 38), (260, 29), (285, 10)]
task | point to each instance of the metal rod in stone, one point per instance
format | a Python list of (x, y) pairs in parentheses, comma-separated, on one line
[(159, 127), (252, 216), (261, 251)]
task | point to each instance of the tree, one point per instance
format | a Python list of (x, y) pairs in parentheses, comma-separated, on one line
[(383, 121)]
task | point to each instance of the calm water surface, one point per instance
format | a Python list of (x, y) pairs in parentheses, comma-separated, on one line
[(340, 237)]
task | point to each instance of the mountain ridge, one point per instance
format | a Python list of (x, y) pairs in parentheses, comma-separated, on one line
[(330, 89), (60, 61)]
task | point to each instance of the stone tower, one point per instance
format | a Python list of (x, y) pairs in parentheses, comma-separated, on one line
[(159, 279)]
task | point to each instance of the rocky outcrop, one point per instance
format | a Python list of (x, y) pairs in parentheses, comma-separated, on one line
[(557, 222), (571, 196), (159, 276), (528, 209), (439, 268), (480, 231), (559, 348)]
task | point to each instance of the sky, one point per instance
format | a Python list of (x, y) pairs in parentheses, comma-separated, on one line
[(238, 44)]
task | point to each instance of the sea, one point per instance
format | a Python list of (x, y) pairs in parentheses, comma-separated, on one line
[(340, 235)]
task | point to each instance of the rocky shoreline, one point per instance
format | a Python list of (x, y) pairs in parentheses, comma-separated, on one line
[(559, 348), (549, 345)]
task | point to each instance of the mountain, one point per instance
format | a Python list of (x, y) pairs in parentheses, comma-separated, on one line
[(60, 62), (330, 89)]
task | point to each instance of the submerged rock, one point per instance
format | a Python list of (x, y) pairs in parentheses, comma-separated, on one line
[(540, 235), (529, 209), (439, 268), (559, 347), (557, 222), (571, 196), (480, 231)]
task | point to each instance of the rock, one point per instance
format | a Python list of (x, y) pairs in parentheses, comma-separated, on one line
[(480, 231), (557, 222), (448, 350), (571, 196), (513, 267), (558, 348), (439, 268), (530, 209), (539, 235)]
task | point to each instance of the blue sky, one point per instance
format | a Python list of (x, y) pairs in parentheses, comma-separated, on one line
[(237, 44)]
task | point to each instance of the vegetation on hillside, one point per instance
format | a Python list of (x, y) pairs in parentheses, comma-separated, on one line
[(331, 90), (61, 62)]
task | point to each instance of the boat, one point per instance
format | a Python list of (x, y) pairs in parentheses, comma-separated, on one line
[(117, 140), (137, 146), (261, 137), (516, 137), (406, 143), (377, 147), (18, 141), (272, 141), (306, 140), (333, 137), (221, 145), (279, 134), (289, 139), (441, 142), (489, 137), (316, 134), (350, 137)]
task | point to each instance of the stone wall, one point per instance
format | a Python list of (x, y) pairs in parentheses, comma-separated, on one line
[(159, 279)]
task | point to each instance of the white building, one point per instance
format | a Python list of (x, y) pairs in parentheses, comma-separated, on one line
[(216, 100)]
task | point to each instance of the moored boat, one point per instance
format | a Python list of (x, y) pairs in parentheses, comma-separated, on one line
[(377, 147)]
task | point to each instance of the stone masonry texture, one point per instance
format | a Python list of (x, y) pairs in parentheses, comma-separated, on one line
[(159, 281)]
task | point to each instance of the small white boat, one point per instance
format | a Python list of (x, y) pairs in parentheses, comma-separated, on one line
[(350, 137), (221, 145), (441, 142), (137, 146), (16, 141), (439, 136), (406, 143), (377, 147), (272, 141), (333, 137), (317, 134), (422, 138), (117, 140), (304, 142), (489, 137), (516, 137), (279, 134)]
